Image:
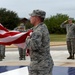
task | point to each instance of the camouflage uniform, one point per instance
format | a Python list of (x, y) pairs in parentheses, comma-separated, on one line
[(2, 52), (70, 29), (39, 46), (22, 52)]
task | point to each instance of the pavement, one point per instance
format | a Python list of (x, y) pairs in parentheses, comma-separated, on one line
[(57, 43), (59, 56), (51, 44)]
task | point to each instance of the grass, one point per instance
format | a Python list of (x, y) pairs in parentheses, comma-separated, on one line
[(57, 37)]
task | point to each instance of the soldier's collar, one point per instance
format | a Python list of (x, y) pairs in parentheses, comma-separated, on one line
[(38, 25)]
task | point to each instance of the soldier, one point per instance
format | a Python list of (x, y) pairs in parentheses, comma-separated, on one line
[(70, 29), (39, 45), (22, 52), (2, 52)]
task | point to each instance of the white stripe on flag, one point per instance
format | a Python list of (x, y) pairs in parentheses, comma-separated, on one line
[(13, 37)]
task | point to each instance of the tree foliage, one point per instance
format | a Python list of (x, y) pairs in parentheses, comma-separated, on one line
[(53, 23), (28, 25), (11, 20), (8, 18)]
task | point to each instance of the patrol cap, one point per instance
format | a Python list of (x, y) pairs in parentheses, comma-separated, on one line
[(40, 13), (70, 18)]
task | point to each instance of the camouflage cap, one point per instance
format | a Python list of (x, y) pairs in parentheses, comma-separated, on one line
[(40, 13), (70, 18)]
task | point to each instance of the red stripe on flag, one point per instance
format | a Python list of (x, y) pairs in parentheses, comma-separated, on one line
[(3, 28), (12, 37)]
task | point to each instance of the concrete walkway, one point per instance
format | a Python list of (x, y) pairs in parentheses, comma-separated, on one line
[(57, 43), (51, 44), (59, 58)]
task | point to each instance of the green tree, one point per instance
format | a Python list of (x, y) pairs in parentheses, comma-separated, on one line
[(8, 18), (53, 23), (28, 25)]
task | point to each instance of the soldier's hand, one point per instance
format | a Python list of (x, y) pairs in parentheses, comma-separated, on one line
[(28, 37), (65, 21)]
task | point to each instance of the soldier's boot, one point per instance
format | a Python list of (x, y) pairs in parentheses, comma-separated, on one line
[(24, 57), (0, 58), (20, 58), (3, 56), (70, 57), (73, 56)]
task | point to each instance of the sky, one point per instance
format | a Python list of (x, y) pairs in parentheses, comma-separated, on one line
[(24, 7)]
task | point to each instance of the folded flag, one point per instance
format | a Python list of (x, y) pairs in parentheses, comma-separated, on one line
[(17, 38)]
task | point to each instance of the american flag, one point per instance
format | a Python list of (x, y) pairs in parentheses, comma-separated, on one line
[(17, 38)]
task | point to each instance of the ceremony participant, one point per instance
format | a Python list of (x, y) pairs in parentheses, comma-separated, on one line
[(2, 52), (22, 52), (70, 29), (39, 45)]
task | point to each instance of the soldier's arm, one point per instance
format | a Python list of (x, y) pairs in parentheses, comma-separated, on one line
[(34, 42), (63, 25)]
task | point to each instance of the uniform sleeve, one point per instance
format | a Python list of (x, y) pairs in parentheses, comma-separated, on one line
[(34, 42), (63, 25)]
